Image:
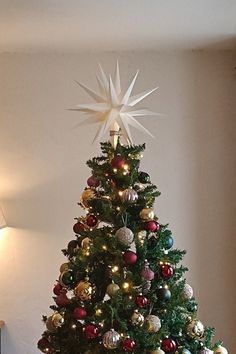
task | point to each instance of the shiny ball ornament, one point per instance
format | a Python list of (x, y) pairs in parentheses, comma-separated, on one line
[(78, 227), (86, 196), (195, 329), (85, 243), (67, 278), (72, 247), (142, 235), (163, 294), (154, 323), (91, 220), (44, 346), (92, 182), (168, 242), (91, 331), (137, 319), (168, 345), (111, 339), (157, 351), (206, 351), (143, 177), (118, 162), (130, 257), (185, 351), (141, 301), (152, 226), (147, 273), (64, 267), (112, 289), (128, 345), (125, 236), (166, 271), (57, 319), (147, 214), (129, 196), (62, 300), (84, 290), (187, 292), (79, 313), (57, 289), (220, 350)]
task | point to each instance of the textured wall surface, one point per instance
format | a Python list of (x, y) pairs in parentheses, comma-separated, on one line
[(42, 174)]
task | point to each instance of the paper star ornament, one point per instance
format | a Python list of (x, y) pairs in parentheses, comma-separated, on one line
[(113, 108)]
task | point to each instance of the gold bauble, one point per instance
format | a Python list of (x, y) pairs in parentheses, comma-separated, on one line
[(137, 319), (112, 289), (147, 214), (86, 196), (157, 351), (57, 319), (64, 267), (49, 324), (84, 290), (85, 243), (195, 329)]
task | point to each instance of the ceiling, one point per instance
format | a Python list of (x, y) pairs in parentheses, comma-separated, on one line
[(91, 25)]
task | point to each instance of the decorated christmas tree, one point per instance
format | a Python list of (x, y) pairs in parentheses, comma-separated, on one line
[(122, 288)]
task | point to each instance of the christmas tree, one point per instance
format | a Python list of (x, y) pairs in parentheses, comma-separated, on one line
[(122, 289)]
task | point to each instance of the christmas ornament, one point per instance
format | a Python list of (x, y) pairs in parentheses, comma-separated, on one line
[(185, 351), (142, 236), (91, 220), (168, 345), (72, 247), (129, 196), (79, 313), (187, 292), (62, 300), (78, 227), (152, 226), (206, 351), (54, 321), (112, 289), (92, 182), (143, 177), (57, 289), (166, 271), (220, 350), (168, 242), (137, 319), (118, 162), (146, 272), (125, 236), (86, 196), (130, 258), (154, 323), (91, 331), (163, 294), (147, 286), (128, 345), (45, 346), (195, 329), (157, 351), (85, 243), (192, 306), (84, 290), (111, 339), (114, 108), (67, 278), (147, 214), (64, 267), (141, 301)]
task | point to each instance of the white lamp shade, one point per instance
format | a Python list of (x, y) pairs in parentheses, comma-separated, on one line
[(2, 220)]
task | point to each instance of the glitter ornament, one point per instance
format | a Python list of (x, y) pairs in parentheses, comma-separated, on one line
[(187, 292), (166, 271), (118, 162), (168, 345), (146, 272), (152, 226), (206, 351), (195, 329), (79, 313), (86, 196), (137, 319), (111, 339), (91, 220), (91, 331), (154, 323), (78, 227), (147, 214), (129, 196), (84, 290), (128, 345), (220, 350), (142, 236), (92, 182), (130, 258), (141, 301), (112, 289), (125, 236), (54, 321)]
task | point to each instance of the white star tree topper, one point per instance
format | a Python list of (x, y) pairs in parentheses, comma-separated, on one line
[(113, 108)]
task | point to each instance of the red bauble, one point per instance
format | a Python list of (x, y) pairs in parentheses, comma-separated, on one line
[(92, 182), (57, 289), (141, 301), (45, 346), (78, 227), (152, 226), (168, 345), (128, 345), (79, 313), (91, 331), (91, 220), (166, 271), (62, 299), (130, 257), (118, 162)]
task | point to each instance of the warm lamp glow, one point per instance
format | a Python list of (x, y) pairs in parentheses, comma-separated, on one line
[(2, 220)]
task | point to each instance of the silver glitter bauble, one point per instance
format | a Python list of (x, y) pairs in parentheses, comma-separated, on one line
[(125, 236), (187, 292), (220, 350), (154, 323), (129, 196), (206, 351), (137, 319), (111, 339), (195, 329)]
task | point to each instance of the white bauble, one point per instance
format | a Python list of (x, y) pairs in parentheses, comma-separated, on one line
[(111, 339), (154, 323), (187, 292), (206, 351), (157, 351), (220, 350), (129, 196), (125, 236)]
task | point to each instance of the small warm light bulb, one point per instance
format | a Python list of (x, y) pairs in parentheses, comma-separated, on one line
[(87, 253), (126, 167), (161, 263), (125, 285), (114, 269), (114, 170), (98, 312), (104, 247), (73, 326), (118, 208), (166, 287), (120, 193)]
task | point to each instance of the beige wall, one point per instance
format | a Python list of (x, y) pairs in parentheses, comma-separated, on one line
[(42, 173)]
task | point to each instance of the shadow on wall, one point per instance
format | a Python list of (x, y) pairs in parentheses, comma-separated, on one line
[(227, 43)]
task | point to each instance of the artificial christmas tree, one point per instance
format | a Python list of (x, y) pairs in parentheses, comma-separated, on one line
[(122, 289)]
